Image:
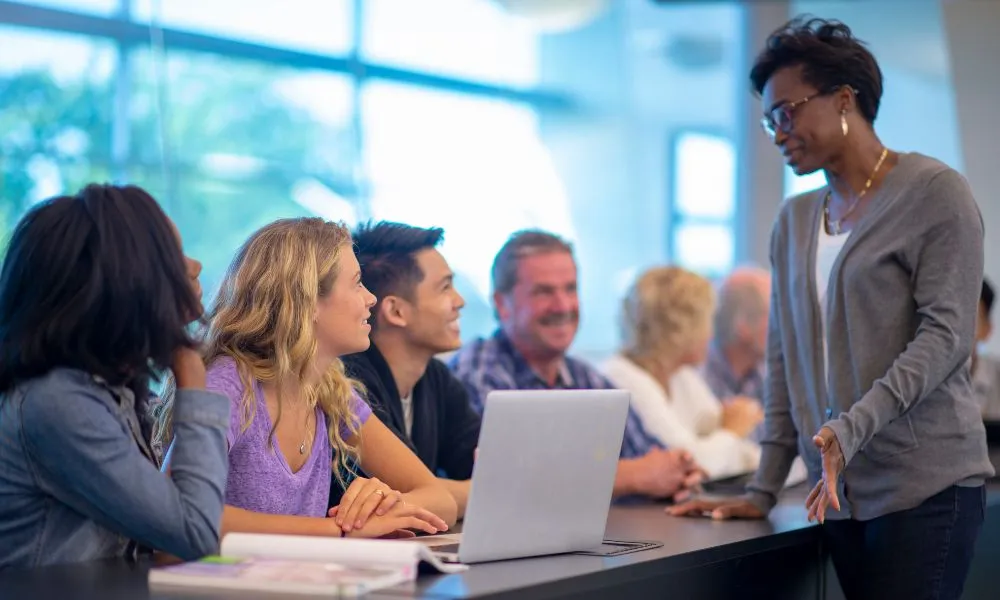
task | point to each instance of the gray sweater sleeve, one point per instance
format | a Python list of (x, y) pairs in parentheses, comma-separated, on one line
[(778, 445), (943, 289)]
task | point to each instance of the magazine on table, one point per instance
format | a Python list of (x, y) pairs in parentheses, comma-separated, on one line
[(307, 565)]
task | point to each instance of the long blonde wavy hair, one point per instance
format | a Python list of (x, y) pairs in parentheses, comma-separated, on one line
[(263, 318)]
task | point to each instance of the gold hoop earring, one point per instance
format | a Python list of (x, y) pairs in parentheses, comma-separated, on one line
[(843, 121)]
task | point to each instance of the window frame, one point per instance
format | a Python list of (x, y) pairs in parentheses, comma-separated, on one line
[(128, 34)]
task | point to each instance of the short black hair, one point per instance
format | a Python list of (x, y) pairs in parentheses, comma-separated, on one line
[(386, 252), (830, 57), (987, 296), (95, 282)]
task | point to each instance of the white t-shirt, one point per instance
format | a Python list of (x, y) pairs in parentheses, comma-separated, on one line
[(407, 402), (828, 248)]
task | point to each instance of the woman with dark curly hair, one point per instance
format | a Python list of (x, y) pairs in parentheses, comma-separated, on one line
[(876, 281)]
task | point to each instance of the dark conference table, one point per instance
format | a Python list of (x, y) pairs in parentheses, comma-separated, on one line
[(781, 557)]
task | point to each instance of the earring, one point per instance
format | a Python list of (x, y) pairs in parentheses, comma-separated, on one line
[(843, 121)]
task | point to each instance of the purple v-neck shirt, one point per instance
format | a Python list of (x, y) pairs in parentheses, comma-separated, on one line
[(259, 476)]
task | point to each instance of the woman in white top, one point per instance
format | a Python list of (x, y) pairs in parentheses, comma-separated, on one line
[(666, 328)]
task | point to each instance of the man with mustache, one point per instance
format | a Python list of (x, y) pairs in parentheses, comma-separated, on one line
[(536, 302), (415, 318)]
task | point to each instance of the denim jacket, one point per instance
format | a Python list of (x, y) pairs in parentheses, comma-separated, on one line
[(77, 481)]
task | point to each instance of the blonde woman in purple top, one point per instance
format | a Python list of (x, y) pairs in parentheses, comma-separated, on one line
[(290, 305)]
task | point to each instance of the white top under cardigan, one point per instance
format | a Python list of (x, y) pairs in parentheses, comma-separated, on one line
[(828, 248), (689, 418)]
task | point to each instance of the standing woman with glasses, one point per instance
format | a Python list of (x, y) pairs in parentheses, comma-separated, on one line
[(876, 281)]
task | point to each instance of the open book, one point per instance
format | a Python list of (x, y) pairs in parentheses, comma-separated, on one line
[(303, 565)]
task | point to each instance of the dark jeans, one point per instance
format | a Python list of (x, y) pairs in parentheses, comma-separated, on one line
[(923, 552)]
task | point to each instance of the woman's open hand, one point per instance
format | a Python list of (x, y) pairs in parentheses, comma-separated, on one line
[(824, 494)]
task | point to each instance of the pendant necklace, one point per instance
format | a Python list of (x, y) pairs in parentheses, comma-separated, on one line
[(835, 224)]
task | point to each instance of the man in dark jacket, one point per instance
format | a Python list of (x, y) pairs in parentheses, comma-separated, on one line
[(415, 318)]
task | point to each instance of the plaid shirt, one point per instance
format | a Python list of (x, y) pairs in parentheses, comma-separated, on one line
[(493, 363), (725, 384)]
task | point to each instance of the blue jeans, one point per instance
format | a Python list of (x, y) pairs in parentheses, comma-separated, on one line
[(923, 552)]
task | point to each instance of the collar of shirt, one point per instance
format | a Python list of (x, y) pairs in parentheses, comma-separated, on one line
[(125, 398), (524, 376), (717, 368)]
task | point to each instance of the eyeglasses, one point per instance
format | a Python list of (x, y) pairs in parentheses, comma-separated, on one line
[(780, 117)]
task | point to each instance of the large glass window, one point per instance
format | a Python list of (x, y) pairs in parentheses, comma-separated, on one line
[(473, 166), (230, 145), (55, 116), (472, 39), (704, 203), (322, 26), (229, 137)]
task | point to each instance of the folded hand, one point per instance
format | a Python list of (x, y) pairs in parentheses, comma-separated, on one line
[(363, 498), (398, 522)]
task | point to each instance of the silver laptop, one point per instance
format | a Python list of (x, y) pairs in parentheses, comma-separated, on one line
[(543, 479)]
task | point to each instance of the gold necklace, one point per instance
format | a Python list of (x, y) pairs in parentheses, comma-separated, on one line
[(834, 224)]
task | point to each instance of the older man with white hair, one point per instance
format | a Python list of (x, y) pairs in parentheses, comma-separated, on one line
[(735, 363)]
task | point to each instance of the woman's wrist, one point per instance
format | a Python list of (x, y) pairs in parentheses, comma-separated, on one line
[(336, 530)]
